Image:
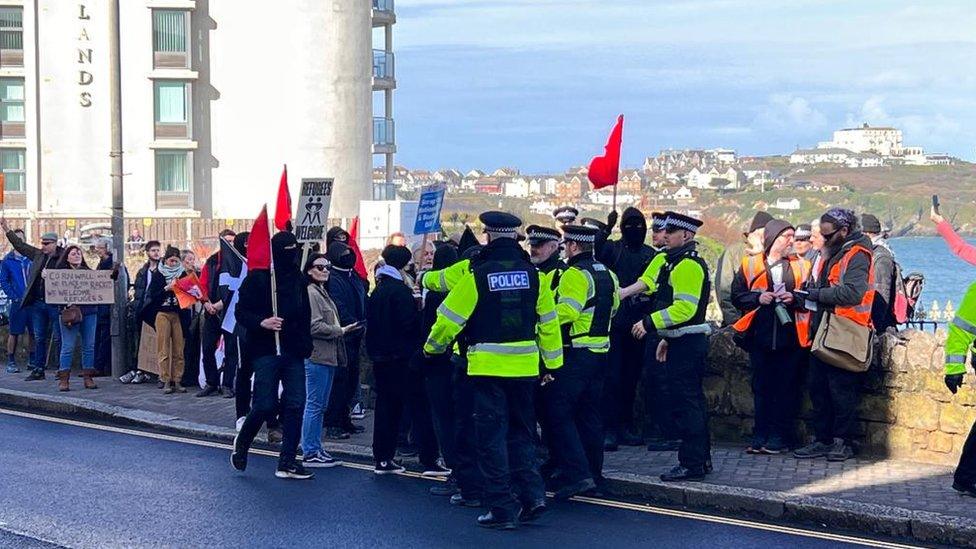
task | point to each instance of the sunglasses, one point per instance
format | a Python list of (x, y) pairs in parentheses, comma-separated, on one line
[(828, 236), (320, 268)]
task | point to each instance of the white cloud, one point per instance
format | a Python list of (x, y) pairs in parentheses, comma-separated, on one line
[(928, 129), (790, 113)]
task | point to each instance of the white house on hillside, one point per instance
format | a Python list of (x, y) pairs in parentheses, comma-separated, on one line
[(786, 204)]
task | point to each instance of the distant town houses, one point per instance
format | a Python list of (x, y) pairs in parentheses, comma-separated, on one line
[(677, 178)]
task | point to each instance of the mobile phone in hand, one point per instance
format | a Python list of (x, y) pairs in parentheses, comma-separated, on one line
[(935, 204), (802, 294)]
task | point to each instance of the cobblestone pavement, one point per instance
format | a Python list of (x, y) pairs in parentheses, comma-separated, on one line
[(912, 486)]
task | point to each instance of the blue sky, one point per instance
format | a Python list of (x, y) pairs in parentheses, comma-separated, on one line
[(538, 83)]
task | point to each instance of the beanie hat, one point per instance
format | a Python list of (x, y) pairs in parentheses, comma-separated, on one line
[(396, 256), (871, 224), (171, 251), (759, 221), (773, 229)]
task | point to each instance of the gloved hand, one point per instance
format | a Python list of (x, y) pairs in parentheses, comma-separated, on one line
[(953, 382), (611, 220)]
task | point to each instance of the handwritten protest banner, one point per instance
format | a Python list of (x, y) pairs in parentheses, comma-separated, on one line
[(78, 287)]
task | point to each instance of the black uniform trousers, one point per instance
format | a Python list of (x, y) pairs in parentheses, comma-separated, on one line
[(685, 367), (416, 407), (623, 373), (835, 395), (658, 422), (966, 470), (573, 418), (103, 340), (468, 475), (504, 424), (270, 372), (775, 376), (210, 338)]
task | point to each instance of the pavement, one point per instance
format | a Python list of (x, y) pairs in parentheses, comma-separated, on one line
[(878, 496), (82, 489)]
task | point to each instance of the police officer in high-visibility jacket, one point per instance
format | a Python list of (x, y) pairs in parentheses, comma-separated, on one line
[(508, 321), (959, 343), (586, 302), (544, 253), (680, 301)]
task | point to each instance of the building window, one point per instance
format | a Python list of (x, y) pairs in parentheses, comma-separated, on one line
[(171, 46), (11, 37), (12, 163), (11, 108), (173, 180), (172, 109)]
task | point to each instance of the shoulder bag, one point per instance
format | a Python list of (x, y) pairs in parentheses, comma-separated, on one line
[(843, 343)]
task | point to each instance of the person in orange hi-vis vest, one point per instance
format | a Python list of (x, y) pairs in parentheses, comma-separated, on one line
[(841, 281), (775, 331)]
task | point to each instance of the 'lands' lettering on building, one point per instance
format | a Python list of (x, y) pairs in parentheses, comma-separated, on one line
[(85, 77)]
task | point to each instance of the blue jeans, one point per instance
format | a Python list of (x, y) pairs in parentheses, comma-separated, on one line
[(85, 330), (45, 320), (318, 386)]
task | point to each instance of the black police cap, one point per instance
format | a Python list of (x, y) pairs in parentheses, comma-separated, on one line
[(580, 233)]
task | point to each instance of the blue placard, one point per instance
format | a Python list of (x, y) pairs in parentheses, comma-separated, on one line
[(429, 211)]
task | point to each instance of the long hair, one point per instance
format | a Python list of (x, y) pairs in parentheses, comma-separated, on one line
[(62, 262)]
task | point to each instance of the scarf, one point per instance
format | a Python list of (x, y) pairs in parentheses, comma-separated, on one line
[(390, 272), (171, 273)]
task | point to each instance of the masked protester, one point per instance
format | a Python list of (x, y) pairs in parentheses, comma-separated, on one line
[(349, 294), (627, 257), (278, 342)]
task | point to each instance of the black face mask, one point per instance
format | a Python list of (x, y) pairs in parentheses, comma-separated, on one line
[(346, 261), (633, 235)]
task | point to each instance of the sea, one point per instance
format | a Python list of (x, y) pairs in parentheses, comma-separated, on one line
[(946, 276)]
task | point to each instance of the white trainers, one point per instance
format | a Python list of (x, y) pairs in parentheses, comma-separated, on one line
[(358, 413), (127, 377), (240, 423)]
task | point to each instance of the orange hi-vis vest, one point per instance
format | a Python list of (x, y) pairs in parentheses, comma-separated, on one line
[(860, 313), (757, 278)]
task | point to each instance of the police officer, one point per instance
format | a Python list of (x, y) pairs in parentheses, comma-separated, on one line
[(565, 215), (544, 253), (962, 333), (587, 301), (509, 320), (681, 299)]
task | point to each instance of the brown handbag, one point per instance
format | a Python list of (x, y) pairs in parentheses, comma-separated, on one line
[(843, 343), (71, 315)]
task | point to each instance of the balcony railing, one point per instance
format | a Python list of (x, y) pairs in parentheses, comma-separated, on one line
[(383, 64), (383, 5), (384, 136), (384, 191), (383, 13)]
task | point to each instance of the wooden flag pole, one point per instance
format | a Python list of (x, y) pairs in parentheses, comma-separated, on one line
[(274, 297), (305, 250), (615, 198)]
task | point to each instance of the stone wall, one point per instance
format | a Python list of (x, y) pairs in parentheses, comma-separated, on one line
[(906, 410)]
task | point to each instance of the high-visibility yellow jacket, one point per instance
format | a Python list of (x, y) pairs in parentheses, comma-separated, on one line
[(445, 279), (681, 293), (650, 274), (962, 333), (577, 305), (504, 359)]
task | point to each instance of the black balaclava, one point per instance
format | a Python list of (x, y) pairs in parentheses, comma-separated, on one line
[(444, 257), (468, 240), (341, 255), (332, 235), (633, 227), (240, 242), (285, 251)]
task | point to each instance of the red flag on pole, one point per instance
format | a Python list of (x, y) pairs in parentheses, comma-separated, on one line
[(259, 243), (605, 169), (283, 206), (360, 266)]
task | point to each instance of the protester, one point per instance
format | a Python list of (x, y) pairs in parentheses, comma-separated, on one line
[(627, 258), (816, 241), (153, 250), (328, 355), (394, 321), (774, 334), (163, 312), (841, 282), (882, 311), (348, 292), (211, 319), (14, 272), (729, 261), (78, 323), (277, 343), (44, 317), (957, 245), (802, 243), (397, 239), (103, 331)]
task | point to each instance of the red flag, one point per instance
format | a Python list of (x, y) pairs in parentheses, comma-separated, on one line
[(605, 169), (259, 243), (360, 266), (283, 206)]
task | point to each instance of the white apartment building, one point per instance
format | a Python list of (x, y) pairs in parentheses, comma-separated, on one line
[(216, 96), (881, 140)]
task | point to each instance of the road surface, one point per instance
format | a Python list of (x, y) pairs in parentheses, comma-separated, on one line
[(79, 486)]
